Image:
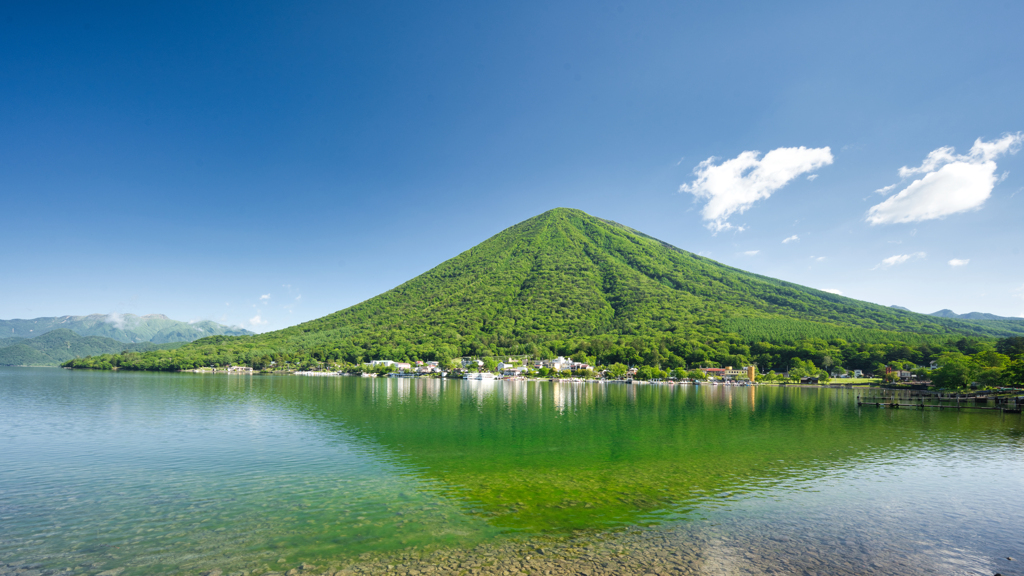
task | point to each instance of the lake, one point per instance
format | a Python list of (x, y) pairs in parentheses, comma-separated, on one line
[(146, 473)]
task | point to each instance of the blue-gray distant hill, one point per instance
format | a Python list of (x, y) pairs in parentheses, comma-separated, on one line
[(57, 346), (1004, 324), (129, 328), (982, 321), (947, 313), (51, 341)]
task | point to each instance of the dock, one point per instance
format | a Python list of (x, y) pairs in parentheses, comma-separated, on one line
[(1004, 404)]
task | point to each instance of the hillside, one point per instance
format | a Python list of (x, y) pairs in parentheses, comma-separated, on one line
[(155, 328), (57, 346), (565, 282), (947, 313)]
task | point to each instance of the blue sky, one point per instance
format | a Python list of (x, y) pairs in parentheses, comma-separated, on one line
[(263, 164)]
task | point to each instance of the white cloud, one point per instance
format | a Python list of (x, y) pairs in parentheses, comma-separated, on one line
[(751, 252), (117, 319), (833, 291), (812, 177), (735, 185), (792, 238), (951, 183), (257, 321), (958, 262), (886, 189), (898, 259), (818, 258), (265, 298)]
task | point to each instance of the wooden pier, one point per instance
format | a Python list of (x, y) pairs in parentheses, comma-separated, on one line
[(1007, 405)]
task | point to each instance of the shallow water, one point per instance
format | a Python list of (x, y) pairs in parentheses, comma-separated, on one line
[(173, 473)]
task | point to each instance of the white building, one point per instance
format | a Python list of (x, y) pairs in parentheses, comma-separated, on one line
[(561, 363)]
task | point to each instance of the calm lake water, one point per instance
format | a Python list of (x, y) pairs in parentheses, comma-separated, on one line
[(180, 473)]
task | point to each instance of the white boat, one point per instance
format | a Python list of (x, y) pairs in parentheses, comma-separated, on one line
[(479, 376)]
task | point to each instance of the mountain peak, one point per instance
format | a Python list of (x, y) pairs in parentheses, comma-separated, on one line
[(565, 281)]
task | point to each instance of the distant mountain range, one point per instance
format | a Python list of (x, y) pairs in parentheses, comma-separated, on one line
[(129, 328), (50, 341), (56, 346), (947, 313)]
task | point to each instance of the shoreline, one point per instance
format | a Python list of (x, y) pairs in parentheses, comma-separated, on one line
[(721, 547)]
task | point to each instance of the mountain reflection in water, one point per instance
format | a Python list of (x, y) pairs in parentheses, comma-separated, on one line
[(166, 473)]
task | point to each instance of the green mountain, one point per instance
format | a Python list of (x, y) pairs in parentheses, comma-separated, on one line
[(57, 346), (155, 328), (947, 313), (4, 342), (565, 282)]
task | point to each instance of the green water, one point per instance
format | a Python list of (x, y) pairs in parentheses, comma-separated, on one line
[(170, 473)]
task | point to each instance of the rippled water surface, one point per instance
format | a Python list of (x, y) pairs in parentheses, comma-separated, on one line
[(180, 473)]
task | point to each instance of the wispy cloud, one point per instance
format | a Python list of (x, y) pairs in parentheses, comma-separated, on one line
[(735, 185), (792, 238), (833, 291), (951, 183), (751, 252), (265, 298), (958, 262), (898, 259), (818, 258), (812, 177), (296, 298), (256, 321), (290, 306), (117, 319)]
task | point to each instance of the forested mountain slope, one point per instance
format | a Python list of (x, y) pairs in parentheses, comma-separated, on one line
[(56, 346), (567, 282), (155, 328)]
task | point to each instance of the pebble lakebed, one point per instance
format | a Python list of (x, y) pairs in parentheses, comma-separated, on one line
[(707, 549)]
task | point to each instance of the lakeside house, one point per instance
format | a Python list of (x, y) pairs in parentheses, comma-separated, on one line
[(729, 373)]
